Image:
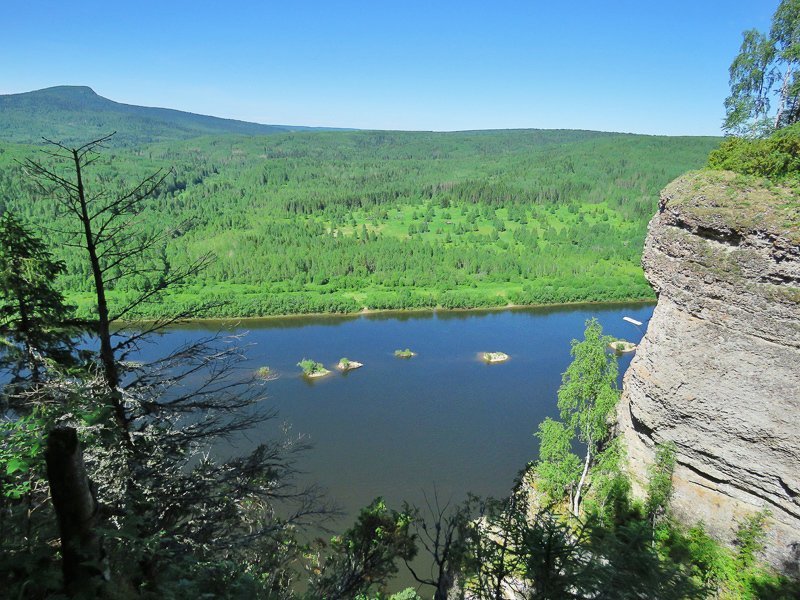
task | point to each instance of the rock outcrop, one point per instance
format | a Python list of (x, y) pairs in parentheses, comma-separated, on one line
[(718, 372)]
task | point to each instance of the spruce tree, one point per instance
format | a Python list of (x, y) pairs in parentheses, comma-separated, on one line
[(32, 309)]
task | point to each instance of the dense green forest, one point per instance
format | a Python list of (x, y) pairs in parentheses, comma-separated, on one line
[(343, 221), (109, 483)]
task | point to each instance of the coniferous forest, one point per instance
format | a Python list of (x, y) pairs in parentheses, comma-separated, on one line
[(122, 476), (320, 221)]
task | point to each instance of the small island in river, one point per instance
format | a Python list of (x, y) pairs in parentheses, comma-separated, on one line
[(312, 369), (622, 346), (345, 364), (494, 357), (266, 373), (404, 353)]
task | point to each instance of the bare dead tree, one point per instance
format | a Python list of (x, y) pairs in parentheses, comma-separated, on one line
[(104, 225), (442, 532), (492, 562), (151, 458)]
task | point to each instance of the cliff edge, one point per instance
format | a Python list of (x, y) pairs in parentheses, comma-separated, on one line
[(718, 372)]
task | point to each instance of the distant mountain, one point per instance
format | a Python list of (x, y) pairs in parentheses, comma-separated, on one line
[(76, 113)]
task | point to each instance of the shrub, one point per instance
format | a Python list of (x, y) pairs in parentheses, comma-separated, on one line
[(776, 156), (310, 367), (750, 537)]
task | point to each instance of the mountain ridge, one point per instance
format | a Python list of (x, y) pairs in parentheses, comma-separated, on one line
[(71, 113)]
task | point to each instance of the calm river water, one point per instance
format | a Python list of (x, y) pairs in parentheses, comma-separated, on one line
[(396, 428)]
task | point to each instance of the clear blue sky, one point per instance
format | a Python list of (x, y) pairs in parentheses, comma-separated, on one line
[(645, 66)]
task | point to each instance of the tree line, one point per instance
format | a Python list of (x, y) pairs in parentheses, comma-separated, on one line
[(340, 221), (109, 489)]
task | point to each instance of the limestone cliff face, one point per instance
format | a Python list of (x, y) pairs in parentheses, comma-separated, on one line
[(718, 372)]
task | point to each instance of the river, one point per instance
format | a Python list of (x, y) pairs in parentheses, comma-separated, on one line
[(400, 428)]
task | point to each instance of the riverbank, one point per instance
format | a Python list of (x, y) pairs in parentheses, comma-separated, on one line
[(214, 301), (297, 318)]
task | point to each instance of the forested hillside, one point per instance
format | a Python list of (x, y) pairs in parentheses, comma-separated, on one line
[(341, 221), (76, 114)]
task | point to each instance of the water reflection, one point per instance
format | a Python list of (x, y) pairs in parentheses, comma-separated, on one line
[(397, 427)]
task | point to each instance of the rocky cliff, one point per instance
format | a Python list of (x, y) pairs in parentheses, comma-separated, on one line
[(718, 372)]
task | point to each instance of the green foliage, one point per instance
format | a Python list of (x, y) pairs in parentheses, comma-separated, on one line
[(554, 556), (747, 108), (558, 468), (659, 483), (636, 561), (766, 67), (635, 567), (318, 221), (407, 353), (635, 550), (719, 569), (775, 157), (21, 454), (712, 563), (32, 309), (609, 501), (544, 556), (310, 367), (586, 398), (750, 537), (344, 362), (264, 372), (364, 557), (167, 504), (637, 558), (76, 113), (588, 392), (406, 594), (28, 567), (185, 578)]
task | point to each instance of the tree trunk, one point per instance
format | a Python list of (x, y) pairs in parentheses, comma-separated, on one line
[(77, 512), (784, 93), (577, 502), (444, 586), (110, 371)]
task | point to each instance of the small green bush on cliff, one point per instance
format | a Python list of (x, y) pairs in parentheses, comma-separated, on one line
[(725, 573), (775, 157)]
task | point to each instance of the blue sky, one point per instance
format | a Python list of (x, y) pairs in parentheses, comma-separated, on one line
[(615, 65)]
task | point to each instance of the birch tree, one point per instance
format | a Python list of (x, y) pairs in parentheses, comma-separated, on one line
[(765, 77), (588, 395)]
